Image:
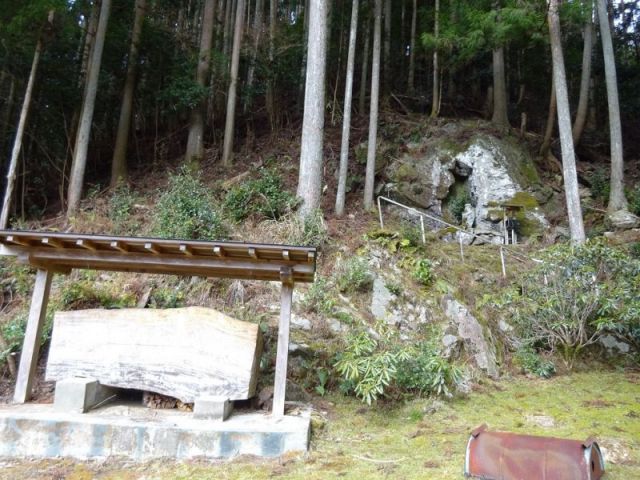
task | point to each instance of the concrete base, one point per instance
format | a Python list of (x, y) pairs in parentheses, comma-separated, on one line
[(142, 434), (212, 408), (79, 395)]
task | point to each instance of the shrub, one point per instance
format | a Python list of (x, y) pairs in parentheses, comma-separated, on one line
[(373, 363), (121, 204), (13, 335), (89, 294), (531, 362), (600, 186), (577, 294), (427, 373), (264, 196), (317, 298), (368, 366), (634, 200), (186, 210), (458, 202), (423, 271), (166, 298), (354, 276)]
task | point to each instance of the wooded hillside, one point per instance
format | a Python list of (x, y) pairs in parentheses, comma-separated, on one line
[(93, 90)]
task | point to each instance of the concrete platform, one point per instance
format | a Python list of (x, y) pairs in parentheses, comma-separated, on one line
[(140, 433)]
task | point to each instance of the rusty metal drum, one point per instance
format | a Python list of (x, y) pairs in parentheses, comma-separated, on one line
[(511, 456)]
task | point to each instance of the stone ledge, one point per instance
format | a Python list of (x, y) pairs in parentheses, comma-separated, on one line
[(142, 434)]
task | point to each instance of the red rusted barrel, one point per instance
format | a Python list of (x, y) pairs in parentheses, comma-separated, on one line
[(509, 456)]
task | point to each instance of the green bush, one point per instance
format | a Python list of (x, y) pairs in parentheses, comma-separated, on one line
[(354, 276), (368, 366), (574, 296), (423, 272), (427, 373), (458, 203), (166, 298), (600, 186), (89, 294), (186, 210), (264, 196), (13, 335), (531, 362), (314, 230), (317, 298), (121, 204), (634, 200), (373, 364)]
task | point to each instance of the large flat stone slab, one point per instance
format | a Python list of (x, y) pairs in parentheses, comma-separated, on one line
[(185, 353), (142, 434)]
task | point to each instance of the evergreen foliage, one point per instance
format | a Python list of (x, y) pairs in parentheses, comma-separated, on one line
[(187, 210)]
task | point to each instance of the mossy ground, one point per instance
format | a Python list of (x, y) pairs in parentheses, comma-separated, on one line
[(404, 442)]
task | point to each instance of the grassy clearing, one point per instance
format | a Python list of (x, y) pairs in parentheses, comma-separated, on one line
[(413, 441)]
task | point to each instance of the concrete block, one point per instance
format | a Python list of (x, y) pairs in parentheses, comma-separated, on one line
[(141, 434), (79, 395), (212, 408)]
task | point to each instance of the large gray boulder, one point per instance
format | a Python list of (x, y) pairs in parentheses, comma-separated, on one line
[(467, 161), (471, 334)]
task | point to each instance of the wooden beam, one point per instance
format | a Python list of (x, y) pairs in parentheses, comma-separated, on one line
[(31, 343), (150, 247), (209, 266), (280, 383), (186, 249), (17, 241), (119, 246), (86, 244), (52, 242)]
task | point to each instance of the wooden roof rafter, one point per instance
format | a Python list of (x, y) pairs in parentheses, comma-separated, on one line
[(61, 252)]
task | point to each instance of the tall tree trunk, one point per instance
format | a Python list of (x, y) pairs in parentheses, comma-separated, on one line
[(89, 39), (564, 124), (373, 111), (195, 147), (435, 104), (365, 66), (310, 176), (17, 144), (228, 19), (271, 94), (500, 116), (119, 163), (227, 151), (346, 122), (79, 164), (617, 199), (257, 32), (551, 122), (387, 47), (305, 42), (412, 49), (585, 76)]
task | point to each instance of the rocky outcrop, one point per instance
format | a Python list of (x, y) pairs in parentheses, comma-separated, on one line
[(459, 162), (471, 335)]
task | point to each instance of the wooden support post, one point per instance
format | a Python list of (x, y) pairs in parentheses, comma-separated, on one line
[(280, 385), (31, 344)]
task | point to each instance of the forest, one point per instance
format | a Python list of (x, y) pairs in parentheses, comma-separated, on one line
[(115, 87), (462, 166)]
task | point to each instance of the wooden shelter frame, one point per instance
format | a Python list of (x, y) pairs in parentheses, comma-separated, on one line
[(51, 253)]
